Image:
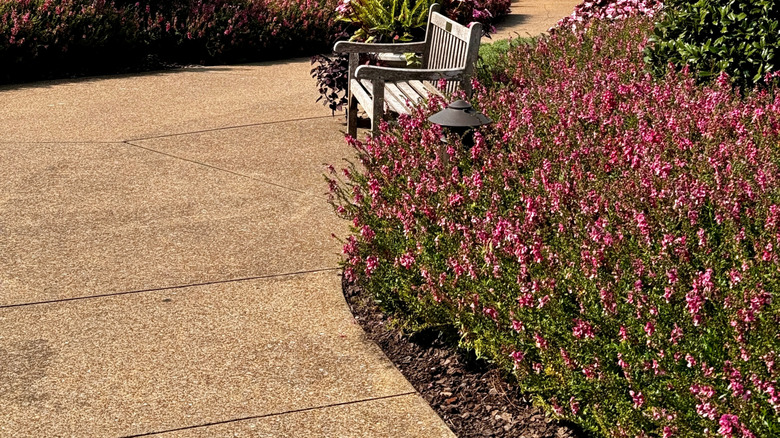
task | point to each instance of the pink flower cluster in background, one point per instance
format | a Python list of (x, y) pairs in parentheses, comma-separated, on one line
[(41, 36), (587, 11)]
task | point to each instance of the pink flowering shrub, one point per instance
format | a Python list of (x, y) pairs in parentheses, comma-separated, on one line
[(487, 12), (588, 11), (612, 240), (48, 37)]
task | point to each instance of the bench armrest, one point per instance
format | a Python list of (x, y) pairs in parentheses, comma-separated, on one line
[(351, 47), (391, 74)]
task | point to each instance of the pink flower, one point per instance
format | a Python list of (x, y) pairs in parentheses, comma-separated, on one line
[(621, 362), (566, 359), (491, 313), (728, 424), (706, 410), (582, 329), (517, 357), (649, 328), (541, 343), (575, 406), (556, 408), (406, 260), (608, 301), (525, 300), (623, 333), (371, 264), (638, 398), (367, 233)]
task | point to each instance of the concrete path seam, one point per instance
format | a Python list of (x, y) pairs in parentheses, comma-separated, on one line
[(273, 414), (224, 128), (221, 169), (163, 288)]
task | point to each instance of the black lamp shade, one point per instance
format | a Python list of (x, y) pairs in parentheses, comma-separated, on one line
[(459, 114)]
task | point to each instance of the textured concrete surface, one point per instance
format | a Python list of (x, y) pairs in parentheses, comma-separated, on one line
[(155, 361), (531, 18), (275, 152), (115, 108), (140, 222), (87, 219)]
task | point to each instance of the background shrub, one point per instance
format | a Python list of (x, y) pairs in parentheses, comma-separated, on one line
[(590, 10), (487, 12), (741, 38), (611, 240), (45, 38)]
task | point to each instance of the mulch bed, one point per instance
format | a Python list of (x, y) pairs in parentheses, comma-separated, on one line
[(469, 394)]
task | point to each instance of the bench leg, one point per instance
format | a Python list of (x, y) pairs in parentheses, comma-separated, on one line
[(378, 97), (352, 107)]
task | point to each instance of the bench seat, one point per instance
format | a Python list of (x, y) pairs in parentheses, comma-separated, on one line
[(398, 95)]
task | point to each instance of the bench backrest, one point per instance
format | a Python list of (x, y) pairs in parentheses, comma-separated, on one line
[(451, 45)]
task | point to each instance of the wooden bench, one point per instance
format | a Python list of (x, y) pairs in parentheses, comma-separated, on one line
[(449, 52)]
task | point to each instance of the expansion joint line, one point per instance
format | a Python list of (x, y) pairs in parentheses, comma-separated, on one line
[(159, 289), (220, 169), (226, 128), (274, 414)]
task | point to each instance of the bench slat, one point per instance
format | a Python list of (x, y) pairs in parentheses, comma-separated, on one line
[(449, 49), (433, 89), (410, 93), (433, 61), (420, 88), (363, 96), (396, 99)]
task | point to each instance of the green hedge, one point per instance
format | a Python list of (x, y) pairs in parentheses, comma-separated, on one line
[(741, 38)]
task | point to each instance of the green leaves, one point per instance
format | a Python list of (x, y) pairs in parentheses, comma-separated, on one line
[(387, 20), (737, 37)]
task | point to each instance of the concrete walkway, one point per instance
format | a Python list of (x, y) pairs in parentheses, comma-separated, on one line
[(531, 18), (166, 265)]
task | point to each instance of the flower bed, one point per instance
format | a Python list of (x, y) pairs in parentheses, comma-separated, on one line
[(45, 37), (612, 239)]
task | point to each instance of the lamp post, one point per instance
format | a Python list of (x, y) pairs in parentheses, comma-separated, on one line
[(461, 118)]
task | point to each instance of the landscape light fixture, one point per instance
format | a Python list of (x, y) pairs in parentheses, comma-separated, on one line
[(460, 117)]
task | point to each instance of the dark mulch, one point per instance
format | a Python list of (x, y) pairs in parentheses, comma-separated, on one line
[(469, 394)]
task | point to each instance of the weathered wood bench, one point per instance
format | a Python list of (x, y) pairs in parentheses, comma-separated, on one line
[(449, 52)]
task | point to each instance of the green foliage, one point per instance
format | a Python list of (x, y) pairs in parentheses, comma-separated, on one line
[(711, 36), (387, 20), (494, 61)]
